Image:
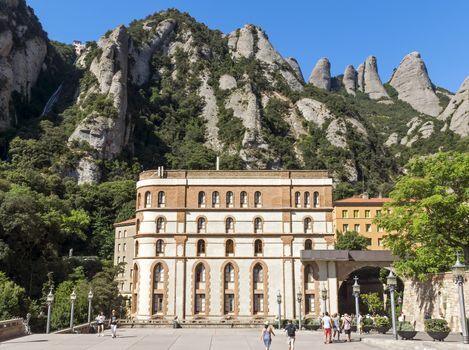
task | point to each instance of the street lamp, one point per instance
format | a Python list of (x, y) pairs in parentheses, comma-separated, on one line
[(324, 297), (392, 283), (90, 298), (356, 294), (299, 297), (50, 301), (279, 302), (458, 273), (73, 297)]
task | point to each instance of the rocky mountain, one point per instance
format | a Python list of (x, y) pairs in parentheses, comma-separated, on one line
[(167, 90)]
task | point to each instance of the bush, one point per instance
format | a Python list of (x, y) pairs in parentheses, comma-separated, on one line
[(367, 321), (405, 326), (382, 321), (436, 325)]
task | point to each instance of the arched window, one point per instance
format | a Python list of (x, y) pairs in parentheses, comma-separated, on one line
[(243, 199), (139, 200), (258, 274), (159, 247), (136, 249), (158, 287), (229, 273), (297, 199), (229, 225), (229, 199), (200, 247), (257, 199), (201, 225), (307, 199), (308, 244), (158, 277), (258, 247), (160, 225), (161, 199), (316, 199), (201, 199), (215, 199), (147, 199), (258, 225), (308, 225), (229, 247), (200, 273)]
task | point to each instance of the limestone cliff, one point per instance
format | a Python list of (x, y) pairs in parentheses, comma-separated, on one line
[(23, 48), (456, 114), (321, 74), (414, 86)]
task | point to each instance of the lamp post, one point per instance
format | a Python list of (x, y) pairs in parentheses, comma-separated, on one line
[(73, 297), (458, 273), (324, 297), (90, 298), (279, 302), (356, 294), (50, 301), (299, 297), (392, 283)]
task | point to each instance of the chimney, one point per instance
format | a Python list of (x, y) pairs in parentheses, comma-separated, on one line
[(218, 163)]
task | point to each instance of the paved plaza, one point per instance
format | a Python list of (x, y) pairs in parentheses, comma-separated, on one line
[(173, 339)]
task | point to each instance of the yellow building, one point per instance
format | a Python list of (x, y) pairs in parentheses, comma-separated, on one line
[(357, 214)]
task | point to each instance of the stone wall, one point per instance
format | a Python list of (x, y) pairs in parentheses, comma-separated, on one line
[(11, 329), (438, 296)]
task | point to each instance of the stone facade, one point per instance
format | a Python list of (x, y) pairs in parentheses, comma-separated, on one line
[(438, 297), (124, 253)]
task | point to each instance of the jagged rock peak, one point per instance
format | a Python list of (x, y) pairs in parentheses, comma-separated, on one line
[(456, 113), (321, 74), (372, 82), (293, 63), (350, 79), (360, 77), (414, 86)]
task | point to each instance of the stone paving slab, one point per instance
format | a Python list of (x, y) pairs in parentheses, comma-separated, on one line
[(174, 339)]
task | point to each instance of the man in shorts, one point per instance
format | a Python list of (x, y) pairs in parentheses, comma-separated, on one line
[(290, 329), (327, 325), (347, 326)]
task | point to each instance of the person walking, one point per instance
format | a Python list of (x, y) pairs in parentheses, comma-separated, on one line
[(336, 327), (113, 323), (266, 335), (100, 323), (290, 329), (327, 325), (347, 326)]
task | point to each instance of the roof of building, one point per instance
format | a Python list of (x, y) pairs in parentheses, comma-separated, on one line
[(125, 223), (360, 200)]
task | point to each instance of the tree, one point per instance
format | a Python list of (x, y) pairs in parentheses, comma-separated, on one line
[(350, 240), (13, 300), (428, 216), (373, 302)]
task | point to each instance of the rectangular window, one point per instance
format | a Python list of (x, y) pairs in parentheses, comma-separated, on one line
[(309, 303), (229, 303), (157, 303), (368, 227), (199, 303), (367, 214), (378, 212), (344, 227), (125, 247), (380, 229), (258, 303), (368, 241), (344, 214), (356, 214), (380, 242), (118, 259), (119, 247), (356, 227)]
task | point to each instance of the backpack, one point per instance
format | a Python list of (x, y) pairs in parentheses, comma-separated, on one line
[(291, 331)]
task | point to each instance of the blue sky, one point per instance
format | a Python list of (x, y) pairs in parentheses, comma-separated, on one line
[(345, 31)]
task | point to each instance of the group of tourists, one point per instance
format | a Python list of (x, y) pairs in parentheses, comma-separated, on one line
[(333, 326), (101, 320)]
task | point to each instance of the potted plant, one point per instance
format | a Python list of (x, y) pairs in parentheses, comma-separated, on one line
[(406, 330), (367, 324), (313, 324), (437, 328), (382, 324)]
